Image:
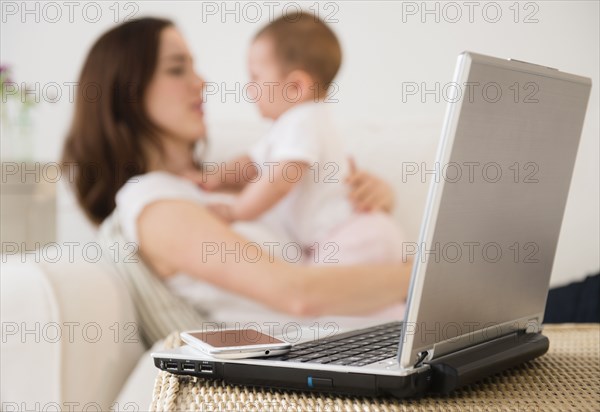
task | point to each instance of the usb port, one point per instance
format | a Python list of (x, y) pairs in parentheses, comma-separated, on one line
[(172, 366), (190, 367), (206, 368)]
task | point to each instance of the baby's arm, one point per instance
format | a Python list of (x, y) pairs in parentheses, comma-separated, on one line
[(259, 197)]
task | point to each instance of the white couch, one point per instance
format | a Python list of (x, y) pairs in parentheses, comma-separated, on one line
[(68, 335), (81, 297)]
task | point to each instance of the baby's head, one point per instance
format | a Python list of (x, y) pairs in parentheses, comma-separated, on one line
[(293, 59)]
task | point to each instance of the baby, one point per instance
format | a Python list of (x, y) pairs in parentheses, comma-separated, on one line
[(297, 172)]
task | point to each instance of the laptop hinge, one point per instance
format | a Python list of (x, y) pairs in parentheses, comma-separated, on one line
[(526, 325), (468, 365)]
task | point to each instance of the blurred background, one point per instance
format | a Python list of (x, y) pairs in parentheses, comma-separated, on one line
[(389, 102), (389, 99)]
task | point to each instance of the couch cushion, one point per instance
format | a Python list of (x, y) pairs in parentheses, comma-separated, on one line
[(85, 339)]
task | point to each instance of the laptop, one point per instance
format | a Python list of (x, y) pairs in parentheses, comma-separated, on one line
[(483, 261)]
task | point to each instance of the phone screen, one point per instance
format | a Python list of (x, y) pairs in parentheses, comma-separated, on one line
[(235, 337)]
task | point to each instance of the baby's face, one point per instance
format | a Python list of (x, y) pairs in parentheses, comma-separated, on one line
[(272, 95)]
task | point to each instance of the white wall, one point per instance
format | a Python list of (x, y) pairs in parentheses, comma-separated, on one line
[(384, 46)]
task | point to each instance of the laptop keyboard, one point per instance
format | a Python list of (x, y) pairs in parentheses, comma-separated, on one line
[(356, 348)]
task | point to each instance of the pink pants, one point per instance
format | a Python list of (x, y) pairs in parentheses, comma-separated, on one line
[(364, 238)]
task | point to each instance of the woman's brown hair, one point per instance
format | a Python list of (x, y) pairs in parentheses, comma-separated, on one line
[(111, 129)]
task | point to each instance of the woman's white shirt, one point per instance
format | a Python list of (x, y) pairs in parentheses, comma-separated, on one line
[(222, 305)]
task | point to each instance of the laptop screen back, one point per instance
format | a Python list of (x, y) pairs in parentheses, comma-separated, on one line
[(493, 217)]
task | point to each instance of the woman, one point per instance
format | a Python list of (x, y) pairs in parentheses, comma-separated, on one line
[(139, 113)]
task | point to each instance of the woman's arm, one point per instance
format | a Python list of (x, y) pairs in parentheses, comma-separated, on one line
[(180, 236), (354, 290)]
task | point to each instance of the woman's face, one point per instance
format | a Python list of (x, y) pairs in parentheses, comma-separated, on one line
[(174, 96)]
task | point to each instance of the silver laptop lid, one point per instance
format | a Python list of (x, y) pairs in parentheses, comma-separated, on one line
[(490, 229)]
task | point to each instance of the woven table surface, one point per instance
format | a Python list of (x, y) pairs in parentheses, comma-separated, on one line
[(567, 378)]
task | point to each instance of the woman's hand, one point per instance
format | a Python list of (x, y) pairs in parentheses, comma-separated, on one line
[(369, 192)]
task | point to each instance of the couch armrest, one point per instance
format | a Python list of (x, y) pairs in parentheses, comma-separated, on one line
[(69, 335)]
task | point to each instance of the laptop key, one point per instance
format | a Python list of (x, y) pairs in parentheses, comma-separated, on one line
[(341, 362), (302, 352), (322, 360), (354, 345)]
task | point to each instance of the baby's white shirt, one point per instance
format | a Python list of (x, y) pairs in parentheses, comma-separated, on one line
[(319, 201)]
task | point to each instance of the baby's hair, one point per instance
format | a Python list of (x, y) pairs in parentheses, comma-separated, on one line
[(303, 41)]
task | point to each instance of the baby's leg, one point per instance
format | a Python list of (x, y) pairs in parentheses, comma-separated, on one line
[(365, 238)]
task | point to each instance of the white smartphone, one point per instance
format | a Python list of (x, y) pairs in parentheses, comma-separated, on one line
[(235, 343)]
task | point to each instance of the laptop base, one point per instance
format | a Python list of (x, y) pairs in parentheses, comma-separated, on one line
[(443, 375), (291, 378)]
